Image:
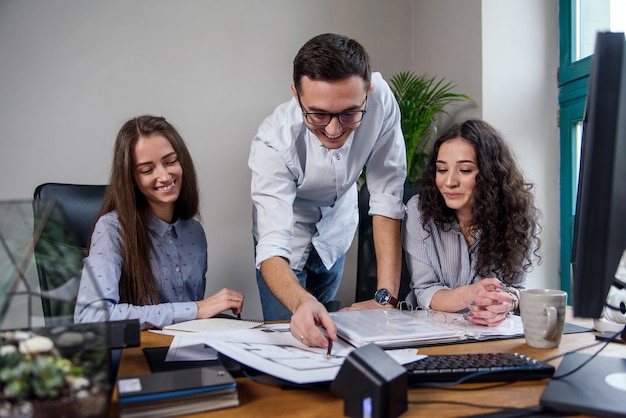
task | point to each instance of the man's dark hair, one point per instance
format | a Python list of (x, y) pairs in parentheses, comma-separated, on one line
[(331, 57)]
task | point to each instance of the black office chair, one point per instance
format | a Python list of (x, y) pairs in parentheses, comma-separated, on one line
[(366, 276), (69, 211)]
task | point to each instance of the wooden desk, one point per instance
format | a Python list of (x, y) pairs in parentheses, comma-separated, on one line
[(265, 400)]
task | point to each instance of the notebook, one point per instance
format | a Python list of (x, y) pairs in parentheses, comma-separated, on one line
[(213, 325), (598, 388)]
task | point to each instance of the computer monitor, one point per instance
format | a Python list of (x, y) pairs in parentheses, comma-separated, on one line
[(599, 235), (600, 220)]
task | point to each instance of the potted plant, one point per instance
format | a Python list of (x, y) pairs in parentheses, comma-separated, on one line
[(421, 99), (54, 372)]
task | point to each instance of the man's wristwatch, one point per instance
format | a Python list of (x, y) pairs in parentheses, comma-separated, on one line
[(383, 297)]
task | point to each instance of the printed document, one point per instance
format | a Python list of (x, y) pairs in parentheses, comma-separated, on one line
[(389, 328)]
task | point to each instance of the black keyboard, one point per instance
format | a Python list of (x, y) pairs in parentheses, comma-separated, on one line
[(477, 367)]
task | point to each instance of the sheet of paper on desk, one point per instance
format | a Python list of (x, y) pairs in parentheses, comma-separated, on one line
[(271, 349)]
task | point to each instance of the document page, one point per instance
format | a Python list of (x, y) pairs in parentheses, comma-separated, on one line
[(511, 327), (391, 328), (271, 349)]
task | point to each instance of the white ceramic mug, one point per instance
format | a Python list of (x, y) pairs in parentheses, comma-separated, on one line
[(543, 316)]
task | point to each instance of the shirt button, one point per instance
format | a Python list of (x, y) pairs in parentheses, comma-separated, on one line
[(177, 269), (337, 157), (340, 187), (170, 241)]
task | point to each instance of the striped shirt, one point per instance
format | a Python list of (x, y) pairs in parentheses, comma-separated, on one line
[(440, 259)]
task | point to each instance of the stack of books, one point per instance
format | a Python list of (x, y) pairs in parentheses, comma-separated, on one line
[(176, 392)]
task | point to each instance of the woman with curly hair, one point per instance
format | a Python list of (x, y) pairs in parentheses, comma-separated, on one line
[(471, 233), (147, 256)]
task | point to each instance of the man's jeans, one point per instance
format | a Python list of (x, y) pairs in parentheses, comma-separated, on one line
[(321, 282)]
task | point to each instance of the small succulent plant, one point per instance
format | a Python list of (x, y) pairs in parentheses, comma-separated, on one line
[(26, 376)]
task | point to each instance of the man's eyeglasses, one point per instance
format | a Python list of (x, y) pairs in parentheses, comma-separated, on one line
[(345, 118)]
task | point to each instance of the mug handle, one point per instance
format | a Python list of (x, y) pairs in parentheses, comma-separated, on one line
[(552, 316)]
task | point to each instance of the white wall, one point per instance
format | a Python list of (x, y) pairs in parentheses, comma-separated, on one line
[(520, 96), (504, 55), (71, 72)]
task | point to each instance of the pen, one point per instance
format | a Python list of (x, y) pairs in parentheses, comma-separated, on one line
[(330, 348)]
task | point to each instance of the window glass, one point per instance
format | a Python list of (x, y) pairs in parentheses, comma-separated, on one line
[(578, 136), (592, 16)]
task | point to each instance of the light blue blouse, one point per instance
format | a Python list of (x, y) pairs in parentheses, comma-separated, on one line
[(179, 264), (305, 194)]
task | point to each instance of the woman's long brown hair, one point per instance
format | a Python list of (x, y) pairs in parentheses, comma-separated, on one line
[(137, 283)]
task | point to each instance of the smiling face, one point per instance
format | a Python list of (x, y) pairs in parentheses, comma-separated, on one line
[(456, 175), (332, 97), (158, 174)]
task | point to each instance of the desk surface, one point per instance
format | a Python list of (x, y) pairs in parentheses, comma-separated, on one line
[(265, 400)]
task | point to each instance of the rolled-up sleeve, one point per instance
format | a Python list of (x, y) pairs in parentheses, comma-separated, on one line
[(273, 190), (386, 165)]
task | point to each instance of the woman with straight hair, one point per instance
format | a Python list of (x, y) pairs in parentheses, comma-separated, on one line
[(147, 256)]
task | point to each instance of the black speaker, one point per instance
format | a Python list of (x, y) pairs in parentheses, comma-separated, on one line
[(372, 384)]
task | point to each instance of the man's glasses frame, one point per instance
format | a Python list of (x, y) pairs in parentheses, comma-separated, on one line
[(349, 117)]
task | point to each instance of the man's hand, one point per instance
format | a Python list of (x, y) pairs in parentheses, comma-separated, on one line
[(307, 319), (366, 304)]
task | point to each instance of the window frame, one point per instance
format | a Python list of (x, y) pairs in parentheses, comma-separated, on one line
[(573, 80), (569, 70)]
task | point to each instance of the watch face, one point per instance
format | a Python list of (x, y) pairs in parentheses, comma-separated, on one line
[(382, 296)]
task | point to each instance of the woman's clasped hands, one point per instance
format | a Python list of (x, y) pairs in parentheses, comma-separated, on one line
[(489, 302)]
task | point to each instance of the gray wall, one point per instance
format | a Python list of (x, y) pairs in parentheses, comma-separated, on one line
[(71, 72)]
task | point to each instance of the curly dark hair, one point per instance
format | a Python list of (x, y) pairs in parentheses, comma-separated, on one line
[(504, 208)]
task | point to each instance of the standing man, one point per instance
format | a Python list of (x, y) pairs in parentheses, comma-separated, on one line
[(305, 159)]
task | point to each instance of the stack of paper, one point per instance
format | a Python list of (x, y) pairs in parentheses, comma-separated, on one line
[(390, 328)]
